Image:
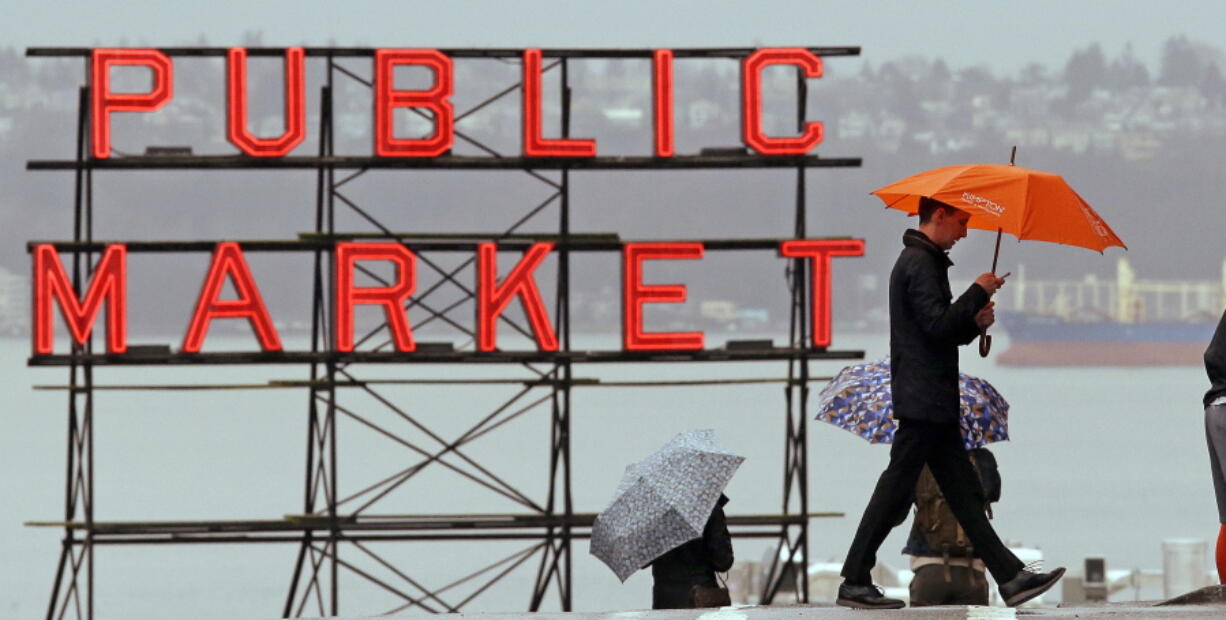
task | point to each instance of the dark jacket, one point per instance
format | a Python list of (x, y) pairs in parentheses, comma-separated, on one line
[(693, 563), (1215, 363), (925, 331)]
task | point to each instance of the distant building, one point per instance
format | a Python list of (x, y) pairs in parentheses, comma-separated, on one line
[(1138, 146)]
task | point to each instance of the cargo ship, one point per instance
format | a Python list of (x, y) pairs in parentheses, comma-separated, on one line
[(1092, 322)]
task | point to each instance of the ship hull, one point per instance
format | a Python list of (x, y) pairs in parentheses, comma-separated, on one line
[(1102, 354), (1051, 341)]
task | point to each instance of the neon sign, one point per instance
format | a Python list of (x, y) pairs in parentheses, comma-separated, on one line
[(109, 288), (435, 99)]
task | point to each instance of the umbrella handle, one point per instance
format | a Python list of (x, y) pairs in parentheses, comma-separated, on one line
[(985, 341)]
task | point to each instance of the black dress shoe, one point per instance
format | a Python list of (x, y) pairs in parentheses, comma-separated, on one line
[(1027, 585), (866, 597)]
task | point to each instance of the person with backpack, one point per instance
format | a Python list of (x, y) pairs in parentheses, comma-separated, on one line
[(947, 569)]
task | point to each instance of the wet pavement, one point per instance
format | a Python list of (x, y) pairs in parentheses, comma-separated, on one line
[(1206, 602), (1114, 611)]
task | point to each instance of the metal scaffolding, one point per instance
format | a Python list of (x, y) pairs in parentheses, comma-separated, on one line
[(334, 531)]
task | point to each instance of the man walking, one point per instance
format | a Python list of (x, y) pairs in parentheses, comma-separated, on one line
[(926, 328)]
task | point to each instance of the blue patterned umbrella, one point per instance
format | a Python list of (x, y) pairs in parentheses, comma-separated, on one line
[(662, 501), (858, 400)]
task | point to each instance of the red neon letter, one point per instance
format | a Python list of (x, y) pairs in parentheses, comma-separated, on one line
[(662, 88), (228, 261), (534, 144), (105, 102), (821, 253), (635, 294), (392, 297), (435, 99), (493, 299), (236, 105), (109, 285), (751, 101)]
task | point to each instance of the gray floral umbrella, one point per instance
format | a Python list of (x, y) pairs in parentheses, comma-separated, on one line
[(662, 501)]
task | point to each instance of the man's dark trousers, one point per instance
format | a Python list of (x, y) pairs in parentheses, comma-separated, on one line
[(939, 446)]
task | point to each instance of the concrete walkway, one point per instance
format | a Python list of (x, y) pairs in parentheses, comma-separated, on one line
[(1114, 611), (1207, 602)]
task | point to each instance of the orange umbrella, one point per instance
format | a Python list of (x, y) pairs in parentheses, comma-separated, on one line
[(1028, 204)]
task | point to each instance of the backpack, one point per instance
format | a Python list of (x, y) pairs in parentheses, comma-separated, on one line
[(989, 476), (933, 516)]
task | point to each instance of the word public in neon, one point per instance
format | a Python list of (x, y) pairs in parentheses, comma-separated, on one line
[(108, 290), (436, 100)]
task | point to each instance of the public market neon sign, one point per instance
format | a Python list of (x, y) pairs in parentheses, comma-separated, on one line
[(108, 285)]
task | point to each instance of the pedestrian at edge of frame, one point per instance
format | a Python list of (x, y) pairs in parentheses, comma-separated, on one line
[(1215, 433)]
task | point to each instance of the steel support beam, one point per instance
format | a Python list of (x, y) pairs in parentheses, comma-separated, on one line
[(334, 520)]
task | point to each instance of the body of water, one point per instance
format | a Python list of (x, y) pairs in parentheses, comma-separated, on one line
[(1102, 461)]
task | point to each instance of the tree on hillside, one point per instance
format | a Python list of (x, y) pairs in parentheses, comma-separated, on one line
[(867, 74), (1212, 85), (903, 99), (1033, 73), (940, 72), (1127, 72), (935, 83), (1181, 66), (1085, 71), (979, 80)]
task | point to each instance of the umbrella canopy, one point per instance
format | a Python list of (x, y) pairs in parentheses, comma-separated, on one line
[(858, 400), (1028, 204), (662, 501)]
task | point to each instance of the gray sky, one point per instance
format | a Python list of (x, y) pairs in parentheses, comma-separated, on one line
[(1003, 35)]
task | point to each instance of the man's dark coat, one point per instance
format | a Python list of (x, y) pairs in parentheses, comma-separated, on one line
[(1215, 363), (925, 331)]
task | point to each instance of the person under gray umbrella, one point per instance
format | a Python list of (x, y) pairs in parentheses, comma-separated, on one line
[(685, 577), (667, 512)]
